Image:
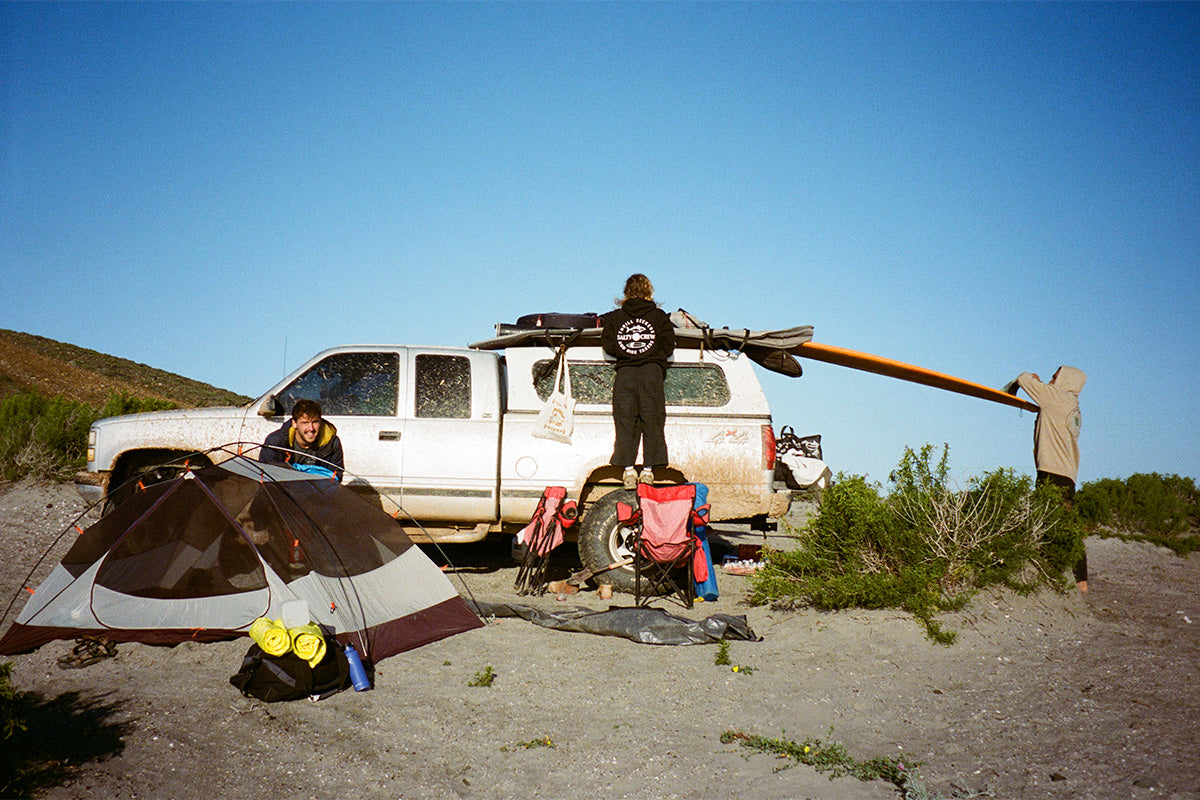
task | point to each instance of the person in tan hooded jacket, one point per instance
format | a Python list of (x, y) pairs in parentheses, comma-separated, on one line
[(1056, 435)]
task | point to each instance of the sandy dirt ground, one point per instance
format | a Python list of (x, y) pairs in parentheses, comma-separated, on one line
[(1052, 696)]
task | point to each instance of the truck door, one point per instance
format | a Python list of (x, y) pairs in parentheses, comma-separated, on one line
[(360, 392), (452, 436)]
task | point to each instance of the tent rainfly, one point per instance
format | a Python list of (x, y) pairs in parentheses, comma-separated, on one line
[(200, 557)]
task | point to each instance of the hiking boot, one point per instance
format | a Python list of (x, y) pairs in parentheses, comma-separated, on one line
[(646, 476), (630, 478)]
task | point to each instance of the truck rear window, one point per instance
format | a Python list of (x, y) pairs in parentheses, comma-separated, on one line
[(443, 387), (592, 381)]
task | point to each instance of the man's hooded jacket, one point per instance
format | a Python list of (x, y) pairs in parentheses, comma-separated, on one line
[(1056, 432), (280, 447)]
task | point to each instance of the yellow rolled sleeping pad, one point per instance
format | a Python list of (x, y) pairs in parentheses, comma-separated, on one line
[(306, 641), (271, 636)]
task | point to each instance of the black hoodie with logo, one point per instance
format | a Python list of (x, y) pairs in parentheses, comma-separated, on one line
[(639, 332)]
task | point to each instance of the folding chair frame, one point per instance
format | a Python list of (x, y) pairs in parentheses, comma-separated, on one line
[(543, 533), (658, 575)]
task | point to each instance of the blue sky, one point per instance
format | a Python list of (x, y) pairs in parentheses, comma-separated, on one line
[(221, 190)]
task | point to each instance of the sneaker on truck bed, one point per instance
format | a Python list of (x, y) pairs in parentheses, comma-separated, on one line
[(629, 478)]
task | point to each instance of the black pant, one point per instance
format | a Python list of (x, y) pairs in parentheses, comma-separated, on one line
[(1068, 487), (639, 414)]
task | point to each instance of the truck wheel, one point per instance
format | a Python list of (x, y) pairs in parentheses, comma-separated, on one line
[(148, 467), (602, 540)]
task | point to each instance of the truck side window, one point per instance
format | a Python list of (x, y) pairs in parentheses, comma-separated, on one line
[(349, 384), (696, 385), (686, 384), (443, 386)]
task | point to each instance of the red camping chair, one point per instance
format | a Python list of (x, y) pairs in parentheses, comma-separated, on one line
[(666, 551), (543, 533)]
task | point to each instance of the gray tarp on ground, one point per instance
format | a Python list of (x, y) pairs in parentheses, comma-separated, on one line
[(644, 625)]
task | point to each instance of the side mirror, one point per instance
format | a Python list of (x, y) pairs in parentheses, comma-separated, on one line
[(270, 407)]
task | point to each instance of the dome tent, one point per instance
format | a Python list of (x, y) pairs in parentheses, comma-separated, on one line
[(200, 557)]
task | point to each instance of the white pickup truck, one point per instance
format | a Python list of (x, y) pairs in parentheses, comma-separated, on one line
[(445, 433)]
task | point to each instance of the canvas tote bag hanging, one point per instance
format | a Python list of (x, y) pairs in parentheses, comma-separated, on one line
[(557, 418)]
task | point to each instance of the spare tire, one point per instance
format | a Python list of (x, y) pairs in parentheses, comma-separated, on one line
[(602, 540)]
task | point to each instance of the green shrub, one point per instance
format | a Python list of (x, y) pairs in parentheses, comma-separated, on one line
[(41, 435), (927, 546), (832, 758), (48, 436), (12, 717), (120, 404), (1163, 509), (484, 678)]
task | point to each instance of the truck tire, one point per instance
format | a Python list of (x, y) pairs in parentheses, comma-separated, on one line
[(151, 466), (602, 540)]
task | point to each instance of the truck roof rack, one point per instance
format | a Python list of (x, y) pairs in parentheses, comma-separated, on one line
[(770, 349)]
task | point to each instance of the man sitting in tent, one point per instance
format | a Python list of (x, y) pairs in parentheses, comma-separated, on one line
[(305, 442)]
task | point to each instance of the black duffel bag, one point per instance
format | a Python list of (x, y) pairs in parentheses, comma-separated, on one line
[(289, 677)]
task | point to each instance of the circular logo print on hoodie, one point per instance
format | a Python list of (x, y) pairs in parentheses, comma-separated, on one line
[(635, 336)]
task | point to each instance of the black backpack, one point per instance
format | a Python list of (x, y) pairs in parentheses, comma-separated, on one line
[(289, 677)]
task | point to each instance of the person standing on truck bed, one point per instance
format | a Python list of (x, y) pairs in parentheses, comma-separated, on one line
[(306, 441), (640, 336)]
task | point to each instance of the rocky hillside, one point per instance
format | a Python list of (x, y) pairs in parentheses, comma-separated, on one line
[(31, 363)]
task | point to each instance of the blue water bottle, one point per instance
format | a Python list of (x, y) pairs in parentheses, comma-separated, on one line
[(358, 675)]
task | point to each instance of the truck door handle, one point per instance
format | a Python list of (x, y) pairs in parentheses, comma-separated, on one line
[(389, 436)]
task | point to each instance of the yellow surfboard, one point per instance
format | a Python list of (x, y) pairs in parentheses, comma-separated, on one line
[(907, 372)]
